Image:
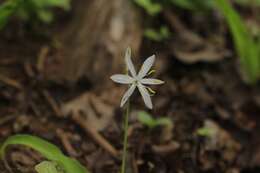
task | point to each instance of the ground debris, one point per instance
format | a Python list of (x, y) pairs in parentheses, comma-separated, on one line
[(190, 47), (97, 110), (220, 141)]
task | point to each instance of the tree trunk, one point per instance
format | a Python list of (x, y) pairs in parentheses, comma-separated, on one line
[(94, 42)]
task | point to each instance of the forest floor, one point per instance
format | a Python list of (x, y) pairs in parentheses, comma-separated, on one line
[(198, 94)]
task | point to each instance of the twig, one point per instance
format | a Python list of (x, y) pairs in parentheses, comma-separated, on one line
[(8, 61), (174, 21), (53, 104), (99, 139), (6, 119), (28, 69), (166, 149), (41, 58), (35, 109), (10, 82), (176, 24), (65, 141)]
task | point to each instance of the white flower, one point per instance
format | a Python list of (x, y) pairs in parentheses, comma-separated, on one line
[(137, 80)]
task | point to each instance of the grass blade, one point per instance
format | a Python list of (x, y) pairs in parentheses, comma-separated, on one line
[(48, 150)]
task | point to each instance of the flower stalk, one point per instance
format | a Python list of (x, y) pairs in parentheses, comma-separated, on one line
[(125, 142)]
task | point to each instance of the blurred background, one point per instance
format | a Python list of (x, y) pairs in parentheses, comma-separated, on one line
[(57, 56)]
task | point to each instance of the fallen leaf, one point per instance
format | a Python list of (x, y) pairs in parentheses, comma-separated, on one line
[(96, 108), (96, 113)]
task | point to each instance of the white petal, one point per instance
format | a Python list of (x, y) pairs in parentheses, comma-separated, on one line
[(129, 62), (123, 79), (148, 63), (145, 95), (151, 81), (128, 93)]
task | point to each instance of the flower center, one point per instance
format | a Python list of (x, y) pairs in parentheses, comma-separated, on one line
[(135, 81)]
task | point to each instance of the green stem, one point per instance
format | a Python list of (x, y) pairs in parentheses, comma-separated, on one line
[(124, 157)]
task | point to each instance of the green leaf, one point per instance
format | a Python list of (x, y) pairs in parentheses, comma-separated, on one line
[(205, 132), (245, 45), (151, 122), (150, 7), (28, 9), (6, 10), (146, 119), (45, 16), (164, 122), (42, 8), (65, 4), (155, 35), (48, 150), (48, 167)]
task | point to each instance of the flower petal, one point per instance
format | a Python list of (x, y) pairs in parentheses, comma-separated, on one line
[(151, 81), (129, 62), (146, 96), (148, 63), (128, 93), (123, 79)]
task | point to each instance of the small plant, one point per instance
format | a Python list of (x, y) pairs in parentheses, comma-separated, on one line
[(135, 81), (41, 9), (205, 131), (161, 34), (48, 167), (30, 9), (151, 7), (147, 120), (247, 47), (57, 161), (6, 10)]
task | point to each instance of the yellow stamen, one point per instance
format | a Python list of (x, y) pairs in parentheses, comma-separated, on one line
[(152, 92), (151, 72)]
